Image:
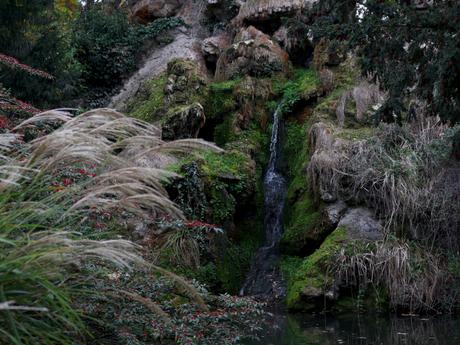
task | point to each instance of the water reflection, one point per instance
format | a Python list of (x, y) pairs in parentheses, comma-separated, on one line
[(362, 330)]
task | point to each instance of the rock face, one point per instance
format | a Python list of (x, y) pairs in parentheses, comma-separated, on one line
[(252, 53), (146, 11), (314, 284), (186, 45), (184, 80), (212, 47), (184, 123), (222, 10), (361, 225), (253, 10)]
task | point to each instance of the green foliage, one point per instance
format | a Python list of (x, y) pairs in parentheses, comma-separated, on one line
[(233, 266), (228, 177), (107, 44), (38, 34), (301, 215), (133, 313), (420, 49), (302, 86), (221, 99)]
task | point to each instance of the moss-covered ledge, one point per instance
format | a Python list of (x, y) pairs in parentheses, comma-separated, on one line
[(310, 280)]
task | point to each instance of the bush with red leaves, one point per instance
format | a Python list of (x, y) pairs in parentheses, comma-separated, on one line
[(15, 64)]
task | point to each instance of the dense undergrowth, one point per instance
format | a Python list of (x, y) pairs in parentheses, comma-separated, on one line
[(65, 196)]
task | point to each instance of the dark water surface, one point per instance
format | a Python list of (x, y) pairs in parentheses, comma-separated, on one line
[(362, 330)]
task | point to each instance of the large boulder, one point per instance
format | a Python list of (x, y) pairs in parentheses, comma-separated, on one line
[(185, 80), (361, 225), (313, 283), (252, 53), (185, 122), (146, 11)]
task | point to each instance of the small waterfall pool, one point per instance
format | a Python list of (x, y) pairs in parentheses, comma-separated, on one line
[(263, 278)]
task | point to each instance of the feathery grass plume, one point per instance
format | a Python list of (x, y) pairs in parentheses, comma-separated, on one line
[(8, 141), (38, 275), (11, 175), (149, 176), (184, 146), (136, 198), (44, 265), (47, 116)]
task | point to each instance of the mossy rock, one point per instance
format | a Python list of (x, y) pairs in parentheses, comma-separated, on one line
[(182, 84), (310, 282), (148, 103), (303, 228)]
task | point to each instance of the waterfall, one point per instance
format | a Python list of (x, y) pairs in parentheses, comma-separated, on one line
[(264, 278)]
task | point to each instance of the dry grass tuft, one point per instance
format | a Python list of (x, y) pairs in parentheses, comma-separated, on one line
[(403, 173), (414, 279)]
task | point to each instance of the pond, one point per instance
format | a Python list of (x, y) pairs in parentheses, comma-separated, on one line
[(362, 330)]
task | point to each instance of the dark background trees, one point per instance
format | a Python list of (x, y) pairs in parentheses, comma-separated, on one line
[(411, 47)]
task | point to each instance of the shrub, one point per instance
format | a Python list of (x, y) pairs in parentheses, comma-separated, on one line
[(107, 44)]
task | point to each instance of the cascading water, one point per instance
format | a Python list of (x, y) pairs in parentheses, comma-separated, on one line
[(264, 278)]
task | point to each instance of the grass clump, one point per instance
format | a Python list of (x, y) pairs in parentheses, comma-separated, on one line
[(57, 191)]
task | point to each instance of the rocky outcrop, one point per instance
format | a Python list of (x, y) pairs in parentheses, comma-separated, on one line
[(145, 11), (255, 10), (186, 45), (252, 53), (184, 81), (185, 122), (222, 10), (212, 47), (314, 284)]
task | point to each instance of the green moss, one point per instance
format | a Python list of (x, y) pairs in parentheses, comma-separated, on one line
[(146, 105), (224, 133), (231, 162), (220, 100), (313, 272), (301, 214), (303, 85)]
